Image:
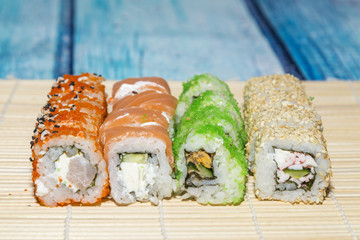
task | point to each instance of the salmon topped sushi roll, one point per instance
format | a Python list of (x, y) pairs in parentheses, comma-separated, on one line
[(138, 148), (68, 164), (134, 86)]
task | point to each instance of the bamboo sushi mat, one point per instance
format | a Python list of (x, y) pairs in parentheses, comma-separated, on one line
[(338, 217)]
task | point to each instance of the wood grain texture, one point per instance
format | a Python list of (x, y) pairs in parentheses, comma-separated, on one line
[(28, 38), (171, 39), (21, 217), (64, 50), (267, 30), (321, 36)]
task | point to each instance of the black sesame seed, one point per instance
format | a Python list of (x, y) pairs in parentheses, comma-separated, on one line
[(32, 137), (100, 75), (47, 105), (134, 92), (51, 120), (76, 96), (82, 87), (30, 158), (51, 115), (52, 109), (92, 87), (36, 140), (55, 131), (72, 83), (58, 86), (57, 126), (80, 92)]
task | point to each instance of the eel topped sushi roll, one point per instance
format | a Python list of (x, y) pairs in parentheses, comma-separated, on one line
[(286, 148), (138, 148), (209, 148), (68, 164)]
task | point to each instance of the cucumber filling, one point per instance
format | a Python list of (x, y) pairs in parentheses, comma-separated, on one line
[(295, 170), (200, 170)]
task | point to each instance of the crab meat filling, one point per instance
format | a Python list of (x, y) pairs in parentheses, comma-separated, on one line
[(74, 170), (137, 172), (295, 170), (200, 170)]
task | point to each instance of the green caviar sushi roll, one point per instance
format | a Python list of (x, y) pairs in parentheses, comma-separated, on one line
[(193, 88), (209, 149), (215, 108), (227, 108)]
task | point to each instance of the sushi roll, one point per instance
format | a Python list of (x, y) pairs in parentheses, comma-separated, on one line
[(210, 105), (193, 88), (68, 164), (286, 148), (133, 86), (209, 150), (136, 141)]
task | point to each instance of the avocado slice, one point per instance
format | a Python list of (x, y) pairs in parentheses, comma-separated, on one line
[(140, 158), (297, 173)]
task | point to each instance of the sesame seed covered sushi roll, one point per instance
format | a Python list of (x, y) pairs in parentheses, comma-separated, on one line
[(68, 164), (138, 148), (286, 148), (209, 150)]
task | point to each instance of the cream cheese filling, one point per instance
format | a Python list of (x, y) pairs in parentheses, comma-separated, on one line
[(137, 175)]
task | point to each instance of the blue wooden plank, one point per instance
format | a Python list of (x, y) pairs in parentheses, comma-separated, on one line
[(172, 39), (280, 50), (322, 36), (28, 34), (64, 48)]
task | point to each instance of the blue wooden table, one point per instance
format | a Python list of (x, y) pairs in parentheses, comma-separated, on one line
[(233, 39)]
